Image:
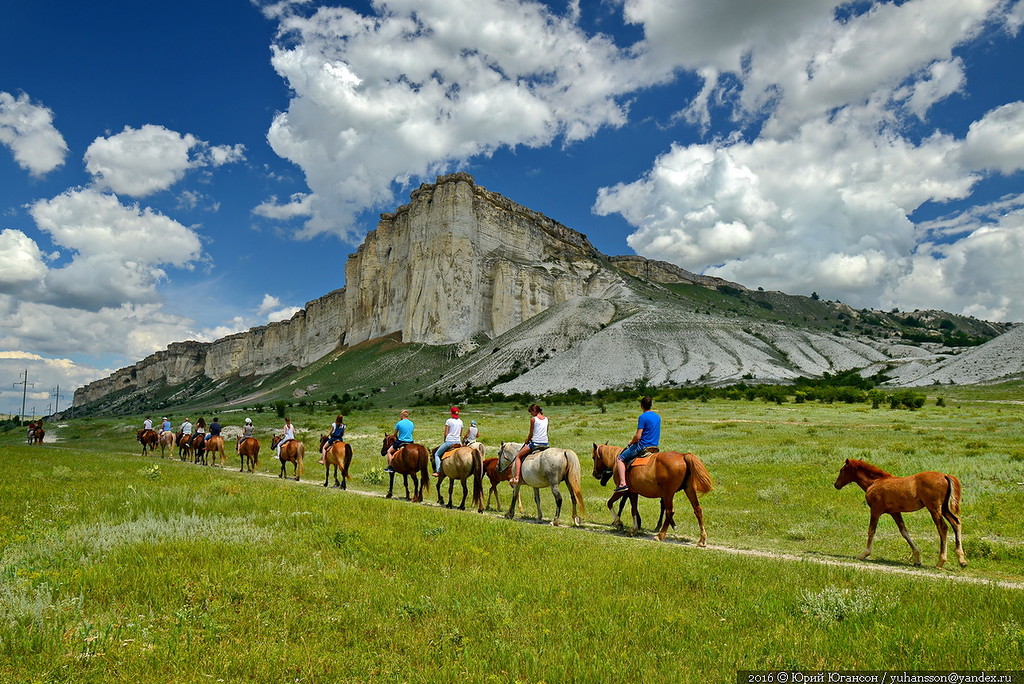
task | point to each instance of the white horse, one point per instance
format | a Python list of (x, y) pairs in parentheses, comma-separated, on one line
[(546, 468)]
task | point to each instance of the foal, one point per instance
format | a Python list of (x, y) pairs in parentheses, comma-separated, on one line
[(885, 493)]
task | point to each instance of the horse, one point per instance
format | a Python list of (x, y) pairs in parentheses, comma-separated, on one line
[(410, 459), (215, 445), (461, 463), (490, 466), (340, 456), (184, 443), (166, 440), (885, 493), (248, 449), (38, 433), (292, 452), (667, 473), (148, 439), (198, 446), (546, 468)]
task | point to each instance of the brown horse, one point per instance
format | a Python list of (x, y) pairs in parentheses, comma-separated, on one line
[(667, 473), (885, 493), (184, 443), (215, 445), (411, 459), (198, 446), (340, 456), (148, 440), (462, 463), (496, 477), (292, 452), (248, 449), (38, 433), (166, 440)]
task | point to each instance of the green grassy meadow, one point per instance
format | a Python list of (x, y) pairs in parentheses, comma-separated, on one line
[(120, 567)]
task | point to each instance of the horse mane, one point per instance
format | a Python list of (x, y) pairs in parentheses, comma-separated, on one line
[(868, 468)]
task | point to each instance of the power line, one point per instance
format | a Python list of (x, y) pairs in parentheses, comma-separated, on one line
[(24, 393)]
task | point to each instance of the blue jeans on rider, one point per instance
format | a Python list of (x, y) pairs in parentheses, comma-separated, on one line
[(631, 452), (437, 454)]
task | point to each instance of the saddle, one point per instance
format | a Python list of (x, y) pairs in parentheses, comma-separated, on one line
[(448, 453), (641, 461)]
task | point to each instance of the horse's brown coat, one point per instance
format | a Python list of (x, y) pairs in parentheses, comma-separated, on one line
[(888, 494)]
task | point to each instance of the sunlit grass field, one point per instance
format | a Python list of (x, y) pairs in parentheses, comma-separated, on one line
[(122, 567)]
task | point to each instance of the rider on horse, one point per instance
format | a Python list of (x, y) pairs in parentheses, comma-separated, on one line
[(337, 434), (472, 434), (648, 434), (452, 437), (402, 435), (536, 440), (215, 428)]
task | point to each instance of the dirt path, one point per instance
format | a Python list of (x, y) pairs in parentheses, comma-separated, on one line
[(951, 575)]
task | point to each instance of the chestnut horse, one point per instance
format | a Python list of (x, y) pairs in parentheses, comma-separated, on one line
[(292, 452), (248, 449), (496, 477), (411, 459), (148, 439), (885, 493), (215, 445), (340, 456), (198, 446), (668, 473), (36, 432), (166, 440), (461, 463), (184, 443)]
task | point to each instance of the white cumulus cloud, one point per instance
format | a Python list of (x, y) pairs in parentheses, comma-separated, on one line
[(27, 129)]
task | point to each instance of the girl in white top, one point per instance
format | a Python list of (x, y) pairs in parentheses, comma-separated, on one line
[(537, 439), (289, 434), (452, 436)]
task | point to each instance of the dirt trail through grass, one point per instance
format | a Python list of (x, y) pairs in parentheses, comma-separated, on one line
[(952, 575)]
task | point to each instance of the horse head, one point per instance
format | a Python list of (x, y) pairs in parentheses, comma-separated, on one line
[(603, 462), (323, 440), (845, 475), (274, 441), (388, 441)]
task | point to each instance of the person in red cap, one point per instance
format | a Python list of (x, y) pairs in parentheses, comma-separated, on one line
[(452, 436)]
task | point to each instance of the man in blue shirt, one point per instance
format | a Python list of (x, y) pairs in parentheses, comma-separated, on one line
[(402, 435), (648, 434)]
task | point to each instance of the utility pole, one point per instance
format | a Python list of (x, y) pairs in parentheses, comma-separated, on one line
[(24, 393), (55, 393)]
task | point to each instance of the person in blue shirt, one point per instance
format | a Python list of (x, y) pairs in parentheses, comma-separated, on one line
[(402, 435), (215, 428), (648, 434)]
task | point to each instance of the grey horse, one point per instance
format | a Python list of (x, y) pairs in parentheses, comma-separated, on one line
[(546, 468)]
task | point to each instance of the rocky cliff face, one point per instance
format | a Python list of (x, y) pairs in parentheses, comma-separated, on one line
[(456, 263)]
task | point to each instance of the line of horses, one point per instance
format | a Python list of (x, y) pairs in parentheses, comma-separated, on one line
[(656, 475)]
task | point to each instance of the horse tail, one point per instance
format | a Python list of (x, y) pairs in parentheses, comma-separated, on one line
[(348, 457), (572, 477), (478, 476), (951, 504), (256, 455), (697, 473)]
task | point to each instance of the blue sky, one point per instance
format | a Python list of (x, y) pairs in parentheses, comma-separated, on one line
[(185, 170)]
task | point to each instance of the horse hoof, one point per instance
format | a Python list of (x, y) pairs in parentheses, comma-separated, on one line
[(702, 544), (963, 564), (576, 522), (554, 523), (863, 556)]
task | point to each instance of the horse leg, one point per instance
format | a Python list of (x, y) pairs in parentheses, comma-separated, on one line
[(871, 534), (954, 522), (940, 525), (616, 517), (698, 513), (915, 553), (440, 496), (558, 503), (391, 486), (635, 511), (327, 473), (497, 498), (536, 498), (465, 491), (340, 484), (515, 497)]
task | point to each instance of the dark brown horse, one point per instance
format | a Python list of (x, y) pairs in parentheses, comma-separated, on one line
[(496, 477), (292, 452), (148, 439), (411, 459), (38, 434), (340, 456), (248, 449), (666, 473), (885, 493), (198, 447)]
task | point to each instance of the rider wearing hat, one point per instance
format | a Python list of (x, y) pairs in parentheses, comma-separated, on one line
[(452, 436), (472, 434)]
